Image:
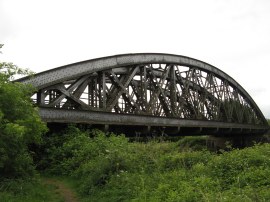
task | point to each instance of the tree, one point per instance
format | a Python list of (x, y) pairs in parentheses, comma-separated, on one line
[(1, 45), (20, 124)]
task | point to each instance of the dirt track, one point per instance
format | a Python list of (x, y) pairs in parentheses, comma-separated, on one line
[(65, 192)]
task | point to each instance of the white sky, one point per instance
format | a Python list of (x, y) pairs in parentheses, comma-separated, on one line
[(233, 35)]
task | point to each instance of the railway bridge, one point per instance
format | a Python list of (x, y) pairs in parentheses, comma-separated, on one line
[(147, 93)]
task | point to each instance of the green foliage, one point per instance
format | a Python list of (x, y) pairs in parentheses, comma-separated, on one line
[(8, 71), (109, 168), (20, 125), (17, 190), (1, 45), (65, 152), (192, 143)]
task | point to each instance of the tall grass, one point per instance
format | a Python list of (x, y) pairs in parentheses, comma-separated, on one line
[(110, 168), (31, 190)]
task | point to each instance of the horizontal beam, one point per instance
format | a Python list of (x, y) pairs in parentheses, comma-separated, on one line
[(105, 118)]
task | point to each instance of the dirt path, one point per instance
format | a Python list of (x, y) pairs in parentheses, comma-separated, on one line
[(61, 188)]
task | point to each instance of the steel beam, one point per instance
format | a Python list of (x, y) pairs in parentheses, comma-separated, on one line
[(91, 117), (215, 96)]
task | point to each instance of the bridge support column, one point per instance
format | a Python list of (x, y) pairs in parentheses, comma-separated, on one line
[(235, 141)]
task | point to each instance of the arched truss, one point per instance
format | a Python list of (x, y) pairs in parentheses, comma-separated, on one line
[(156, 85)]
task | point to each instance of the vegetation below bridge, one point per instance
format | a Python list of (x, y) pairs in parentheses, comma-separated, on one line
[(109, 167)]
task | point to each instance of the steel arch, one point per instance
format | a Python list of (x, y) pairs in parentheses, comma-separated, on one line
[(148, 84)]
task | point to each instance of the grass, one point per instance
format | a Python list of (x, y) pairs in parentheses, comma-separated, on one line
[(102, 167), (31, 190)]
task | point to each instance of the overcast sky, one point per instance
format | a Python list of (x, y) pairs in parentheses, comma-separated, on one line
[(233, 35)]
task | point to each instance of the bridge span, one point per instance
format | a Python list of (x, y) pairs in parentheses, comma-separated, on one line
[(147, 92)]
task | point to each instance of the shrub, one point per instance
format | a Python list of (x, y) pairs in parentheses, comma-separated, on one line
[(109, 168), (194, 143), (20, 125)]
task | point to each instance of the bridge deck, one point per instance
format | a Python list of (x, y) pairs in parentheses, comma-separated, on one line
[(146, 124)]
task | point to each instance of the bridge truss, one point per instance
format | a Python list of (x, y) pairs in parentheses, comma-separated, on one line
[(146, 92)]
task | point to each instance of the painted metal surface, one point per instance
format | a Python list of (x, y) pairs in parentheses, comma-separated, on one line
[(150, 87)]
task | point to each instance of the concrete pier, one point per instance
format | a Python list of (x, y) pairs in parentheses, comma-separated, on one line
[(235, 141)]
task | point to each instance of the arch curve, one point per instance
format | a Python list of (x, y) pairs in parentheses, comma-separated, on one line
[(149, 84)]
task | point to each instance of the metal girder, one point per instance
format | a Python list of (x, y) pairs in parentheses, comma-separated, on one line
[(157, 85), (105, 118)]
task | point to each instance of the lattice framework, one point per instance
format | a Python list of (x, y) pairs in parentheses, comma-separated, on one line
[(153, 89)]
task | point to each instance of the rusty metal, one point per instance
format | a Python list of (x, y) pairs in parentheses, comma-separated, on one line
[(147, 85)]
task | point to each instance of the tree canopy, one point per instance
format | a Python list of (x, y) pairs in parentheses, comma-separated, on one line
[(20, 124)]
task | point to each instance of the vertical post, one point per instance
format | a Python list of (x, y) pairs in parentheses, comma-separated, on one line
[(102, 90), (143, 86), (91, 93), (51, 95), (100, 87), (40, 98), (172, 90), (95, 93)]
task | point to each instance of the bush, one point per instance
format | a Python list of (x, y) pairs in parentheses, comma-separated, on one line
[(17, 190), (20, 125), (109, 168), (194, 143)]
